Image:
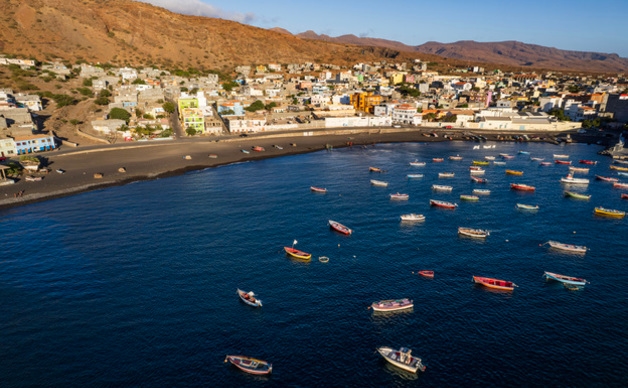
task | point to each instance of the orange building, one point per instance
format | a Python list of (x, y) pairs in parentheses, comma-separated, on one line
[(365, 101)]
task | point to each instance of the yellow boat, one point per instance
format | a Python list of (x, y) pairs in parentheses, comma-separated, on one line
[(480, 163), (514, 172), (297, 254), (618, 168), (600, 211)]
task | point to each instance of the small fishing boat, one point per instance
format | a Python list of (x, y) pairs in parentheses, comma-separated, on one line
[(567, 162), (574, 181), (249, 298), (522, 187), (445, 174), (567, 247), (443, 204), (624, 196), (478, 179), (402, 358), (392, 305), (414, 176), (480, 163), (469, 198), (524, 152), (514, 172), (561, 156), (606, 178), (442, 188), (473, 233), (537, 159), (481, 192), (475, 168), (565, 279), (489, 157), (426, 273), (579, 169), (622, 173), (399, 197), (571, 194), (437, 160), (545, 164), (455, 157), (494, 283), (523, 206), (377, 183), (477, 172), (617, 161), (297, 254), (602, 211), (258, 148), (412, 217), (375, 169), (584, 161), (340, 228), (318, 189), (245, 151), (617, 168), (618, 185), (497, 163), (506, 156), (250, 365), (416, 163)]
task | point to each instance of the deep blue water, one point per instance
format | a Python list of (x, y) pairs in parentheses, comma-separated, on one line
[(135, 285)]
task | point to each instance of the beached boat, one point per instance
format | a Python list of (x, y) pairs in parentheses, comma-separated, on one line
[(522, 187), (477, 172), (624, 196), (414, 176), (489, 157), (445, 174), (32, 178), (437, 160), (617, 168), (402, 358), (514, 172), (497, 163), (481, 192), (523, 206), (297, 254), (399, 197), (494, 283), (618, 185), (606, 178), (480, 163), (455, 157), (567, 247), (250, 365), (392, 305), (582, 170), (605, 212), (258, 148), (426, 273), (442, 188), (567, 162), (377, 183), (477, 179), (473, 233), (340, 228), (469, 198), (416, 163), (574, 181), (571, 194), (537, 159), (249, 298), (545, 164), (561, 156), (443, 204), (584, 161), (412, 217), (318, 189), (245, 151), (565, 279)]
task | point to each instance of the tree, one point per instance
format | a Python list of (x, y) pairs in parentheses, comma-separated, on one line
[(270, 106), (119, 114), (254, 107), (168, 107), (190, 131), (138, 81), (430, 117), (559, 114)]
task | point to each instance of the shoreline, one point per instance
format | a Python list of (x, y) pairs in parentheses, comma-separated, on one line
[(162, 160)]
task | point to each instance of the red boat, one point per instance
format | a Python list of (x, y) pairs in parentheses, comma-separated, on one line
[(624, 196), (620, 185), (562, 161), (546, 164), (437, 160), (258, 148), (426, 273), (606, 179), (318, 189), (443, 204), (340, 228), (478, 179), (584, 161), (375, 169), (521, 187), (495, 283)]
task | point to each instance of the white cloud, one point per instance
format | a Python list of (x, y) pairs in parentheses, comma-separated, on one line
[(199, 8)]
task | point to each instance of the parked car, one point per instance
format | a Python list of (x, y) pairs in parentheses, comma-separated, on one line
[(448, 127)]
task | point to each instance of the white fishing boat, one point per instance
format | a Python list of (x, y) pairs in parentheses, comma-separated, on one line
[(477, 172), (574, 181), (399, 197), (481, 192), (565, 279), (473, 233), (402, 358), (414, 176), (416, 163), (412, 217), (561, 156), (445, 174), (442, 188), (582, 170), (498, 163), (489, 157), (377, 183), (567, 247)]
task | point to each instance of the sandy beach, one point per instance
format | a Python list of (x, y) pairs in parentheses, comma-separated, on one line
[(158, 159)]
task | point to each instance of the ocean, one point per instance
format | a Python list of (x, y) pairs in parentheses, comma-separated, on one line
[(136, 285)]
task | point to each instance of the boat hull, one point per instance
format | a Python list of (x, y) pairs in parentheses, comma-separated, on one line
[(571, 194), (250, 365), (248, 298), (473, 233), (392, 305), (565, 279), (340, 228), (567, 247), (609, 212), (494, 283), (297, 254), (413, 364), (426, 273), (444, 205)]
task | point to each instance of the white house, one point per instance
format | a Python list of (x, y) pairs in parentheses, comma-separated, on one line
[(406, 114)]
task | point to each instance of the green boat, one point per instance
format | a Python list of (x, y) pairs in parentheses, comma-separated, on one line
[(571, 194), (472, 198)]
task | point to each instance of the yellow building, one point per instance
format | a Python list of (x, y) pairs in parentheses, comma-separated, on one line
[(365, 101)]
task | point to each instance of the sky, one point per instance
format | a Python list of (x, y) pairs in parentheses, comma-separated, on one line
[(568, 25)]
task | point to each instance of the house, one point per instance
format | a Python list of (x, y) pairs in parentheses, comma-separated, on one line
[(30, 101), (193, 118), (251, 122), (7, 147), (19, 119), (406, 114), (34, 143)]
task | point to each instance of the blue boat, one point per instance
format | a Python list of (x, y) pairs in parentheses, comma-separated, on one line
[(565, 279)]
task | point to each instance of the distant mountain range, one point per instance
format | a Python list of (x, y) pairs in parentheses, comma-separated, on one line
[(125, 32)]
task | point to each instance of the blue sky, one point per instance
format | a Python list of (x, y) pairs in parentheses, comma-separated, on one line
[(569, 25)]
